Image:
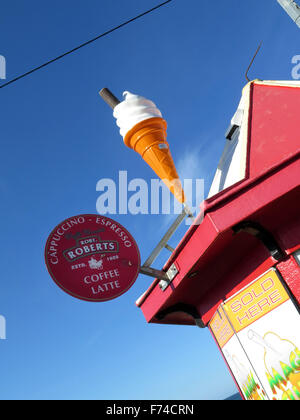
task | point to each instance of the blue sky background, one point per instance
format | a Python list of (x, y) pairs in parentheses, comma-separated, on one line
[(58, 139)]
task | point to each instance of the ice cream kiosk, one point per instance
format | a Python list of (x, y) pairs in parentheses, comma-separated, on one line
[(238, 271)]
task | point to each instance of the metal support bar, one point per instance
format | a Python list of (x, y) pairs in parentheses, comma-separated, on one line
[(153, 272), (163, 243), (169, 248), (165, 278), (109, 98)]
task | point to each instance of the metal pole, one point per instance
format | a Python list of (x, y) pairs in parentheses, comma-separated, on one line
[(109, 98), (164, 241), (153, 272)]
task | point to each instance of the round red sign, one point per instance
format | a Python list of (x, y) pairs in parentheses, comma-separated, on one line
[(92, 257)]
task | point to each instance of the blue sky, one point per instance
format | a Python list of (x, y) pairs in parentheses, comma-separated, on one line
[(58, 139)]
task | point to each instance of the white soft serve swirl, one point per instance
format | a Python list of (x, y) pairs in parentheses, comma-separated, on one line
[(133, 110)]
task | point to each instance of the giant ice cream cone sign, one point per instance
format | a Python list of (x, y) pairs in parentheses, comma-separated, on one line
[(145, 131)]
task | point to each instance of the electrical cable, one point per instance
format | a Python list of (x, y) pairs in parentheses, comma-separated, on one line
[(84, 44)]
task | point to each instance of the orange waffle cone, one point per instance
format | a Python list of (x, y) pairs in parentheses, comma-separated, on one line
[(149, 139)]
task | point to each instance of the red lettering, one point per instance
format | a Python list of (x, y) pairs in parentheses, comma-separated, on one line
[(244, 300), (263, 303), (275, 297), (246, 316), (266, 288), (253, 311), (236, 306)]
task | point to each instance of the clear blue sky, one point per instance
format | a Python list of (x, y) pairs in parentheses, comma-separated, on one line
[(58, 139)]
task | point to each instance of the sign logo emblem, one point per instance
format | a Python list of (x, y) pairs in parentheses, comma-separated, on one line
[(92, 257)]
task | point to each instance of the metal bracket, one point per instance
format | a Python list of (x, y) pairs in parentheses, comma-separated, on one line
[(255, 229), (171, 274), (231, 131), (153, 272), (184, 308), (165, 278)]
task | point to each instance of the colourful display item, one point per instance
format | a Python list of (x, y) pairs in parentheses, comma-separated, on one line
[(145, 131), (149, 139), (244, 328), (282, 367), (236, 357)]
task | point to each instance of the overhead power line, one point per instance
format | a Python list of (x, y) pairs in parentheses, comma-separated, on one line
[(84, 44)]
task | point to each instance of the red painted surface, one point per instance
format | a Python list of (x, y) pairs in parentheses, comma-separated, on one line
[(274, 126), (290, 271), (214, 263)]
